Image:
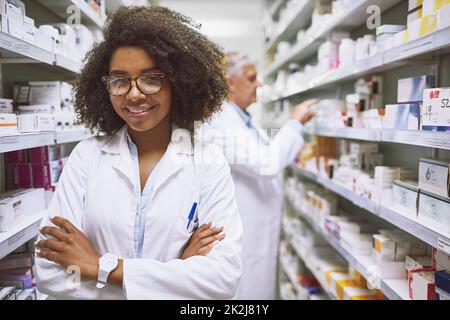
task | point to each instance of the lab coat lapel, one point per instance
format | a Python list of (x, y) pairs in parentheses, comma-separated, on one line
[(123, 163), (179, 153)]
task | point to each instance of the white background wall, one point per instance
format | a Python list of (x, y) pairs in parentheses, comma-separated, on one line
[(235, 25)]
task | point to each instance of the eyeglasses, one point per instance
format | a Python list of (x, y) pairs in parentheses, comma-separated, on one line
[(149, 83)]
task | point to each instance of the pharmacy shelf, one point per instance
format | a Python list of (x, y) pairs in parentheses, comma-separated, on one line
[(381, 62), (296, 22), (395, 289), (348, 133), (438, 140), (431, 139), (32, 140), (305, 259), (71, 136), (88, 16), (348, 194), (413, 227), (291, 275), (13, 49), (67, 64), (353, 16), (26, 141), (19, 234)]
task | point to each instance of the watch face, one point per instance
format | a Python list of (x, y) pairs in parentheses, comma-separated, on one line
[(108, 261)]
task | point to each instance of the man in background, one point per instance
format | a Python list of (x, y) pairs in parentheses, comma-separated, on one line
[(257, 164)]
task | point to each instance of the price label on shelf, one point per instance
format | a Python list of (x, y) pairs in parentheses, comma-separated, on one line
[(444, 245)]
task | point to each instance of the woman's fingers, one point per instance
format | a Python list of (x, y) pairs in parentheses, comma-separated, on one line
[(203, 251), (208, 233), (209, 240), (55, 232), (64, 224), (50, 244)]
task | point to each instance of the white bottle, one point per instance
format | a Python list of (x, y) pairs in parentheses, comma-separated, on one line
[(346, 52)]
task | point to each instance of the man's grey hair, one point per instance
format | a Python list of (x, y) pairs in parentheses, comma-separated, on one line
[(236, 61)]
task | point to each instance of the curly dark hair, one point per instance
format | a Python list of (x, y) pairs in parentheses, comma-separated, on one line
[(194, 65)]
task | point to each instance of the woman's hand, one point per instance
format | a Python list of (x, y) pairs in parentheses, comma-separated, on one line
[(70, 247), (202, 241)]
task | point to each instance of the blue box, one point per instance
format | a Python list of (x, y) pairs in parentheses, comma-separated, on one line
[(410, 90), (402, 117), (442, 283)]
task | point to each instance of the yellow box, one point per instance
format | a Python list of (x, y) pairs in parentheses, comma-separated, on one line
[(433, 6)]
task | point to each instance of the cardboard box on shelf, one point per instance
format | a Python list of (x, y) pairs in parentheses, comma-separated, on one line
[(46, 175), (8, 124), (434, 212), (442, 283), (434, 176), (16, 205), (405, 196), (435, 111), (411, 90), (402, 117), (421, 284), (443, 20), (45, 154)]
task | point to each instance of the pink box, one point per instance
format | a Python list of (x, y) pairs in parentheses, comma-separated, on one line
[(19, 175), (16, 156), (46, 175), (45, 154)]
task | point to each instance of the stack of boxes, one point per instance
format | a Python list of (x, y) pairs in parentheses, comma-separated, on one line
[(17, 281), (405, 115), (434, 194), (37, 167), (441, 263), (72, 41), (8, 120), (44, 106), (424, 18), (18, 204), (390, 249)]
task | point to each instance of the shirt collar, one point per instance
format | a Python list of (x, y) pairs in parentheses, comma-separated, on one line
[(242, 113)]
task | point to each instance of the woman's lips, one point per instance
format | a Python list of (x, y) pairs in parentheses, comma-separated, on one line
[(139, 112)]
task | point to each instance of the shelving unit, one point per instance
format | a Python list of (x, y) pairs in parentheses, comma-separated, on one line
[(393, 289), (297, 21), (21, 233), (435, 43), (32, 140), (353, 16), (437, 140), (88, 16), (432, 237), (301, 254), (22, 55)]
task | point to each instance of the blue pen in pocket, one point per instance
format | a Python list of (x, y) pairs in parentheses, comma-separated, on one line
[(191, 214)]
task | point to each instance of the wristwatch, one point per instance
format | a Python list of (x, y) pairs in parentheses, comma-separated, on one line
[(107, 263)]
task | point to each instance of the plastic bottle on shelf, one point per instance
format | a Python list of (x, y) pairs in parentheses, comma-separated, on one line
[(346, 52)]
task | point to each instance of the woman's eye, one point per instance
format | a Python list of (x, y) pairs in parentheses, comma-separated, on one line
[(119, 82), (150, 79)]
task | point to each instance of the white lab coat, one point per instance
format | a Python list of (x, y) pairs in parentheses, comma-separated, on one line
[(257, 175), (96, 192)]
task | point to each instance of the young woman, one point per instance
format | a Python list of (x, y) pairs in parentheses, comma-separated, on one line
[(127, 203)]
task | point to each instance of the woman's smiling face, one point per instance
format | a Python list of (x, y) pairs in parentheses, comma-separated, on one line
[(141, 112)]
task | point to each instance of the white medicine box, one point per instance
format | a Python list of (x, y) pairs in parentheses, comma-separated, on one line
[(405, 196), (435, 112), (434, 212), (434, 176)]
